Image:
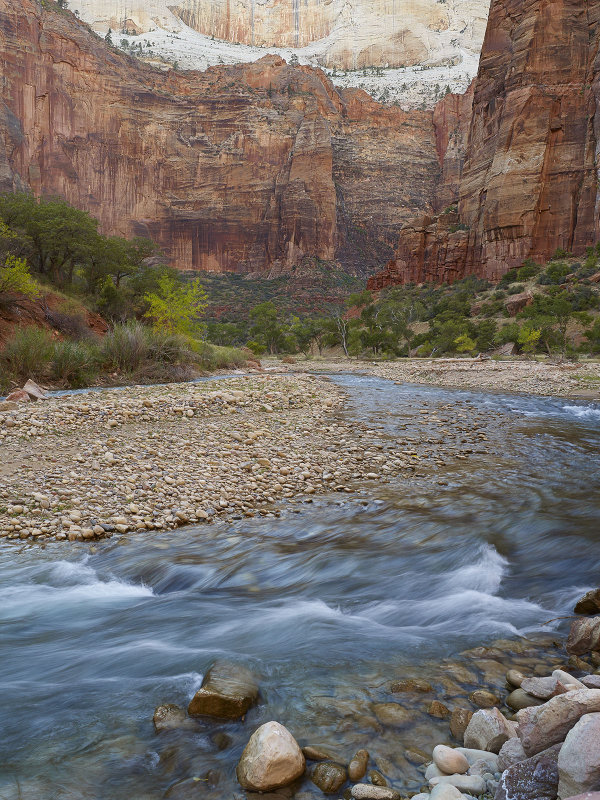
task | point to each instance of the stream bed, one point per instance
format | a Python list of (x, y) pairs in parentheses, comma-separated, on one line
[(329, 604)]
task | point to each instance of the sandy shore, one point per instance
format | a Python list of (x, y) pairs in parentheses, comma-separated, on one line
[(529, 377)]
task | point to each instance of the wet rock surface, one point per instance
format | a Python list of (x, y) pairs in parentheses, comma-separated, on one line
[(271, 759), (228, 690)]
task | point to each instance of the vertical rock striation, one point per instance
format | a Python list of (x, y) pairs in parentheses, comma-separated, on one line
[(526, 183)]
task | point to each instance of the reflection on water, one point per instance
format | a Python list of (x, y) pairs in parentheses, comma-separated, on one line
[(327, 605)]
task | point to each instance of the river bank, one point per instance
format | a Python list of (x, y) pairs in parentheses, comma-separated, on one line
[(86, 466), (521, 376), (92, 464)]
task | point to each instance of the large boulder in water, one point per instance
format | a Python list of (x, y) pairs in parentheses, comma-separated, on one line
[(542, 726), (579, 757), (589, 603), (584, 636), (228, 690), (272, 758)]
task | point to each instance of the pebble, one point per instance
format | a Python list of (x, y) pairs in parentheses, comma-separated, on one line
[(366, 791)]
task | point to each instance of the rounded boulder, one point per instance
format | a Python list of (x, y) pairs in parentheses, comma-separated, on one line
[(272, 759)]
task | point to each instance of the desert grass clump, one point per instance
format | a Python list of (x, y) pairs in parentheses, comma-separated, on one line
[(27, 354)]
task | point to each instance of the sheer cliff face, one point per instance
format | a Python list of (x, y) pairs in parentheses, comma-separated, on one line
[(528, 182), (352, 33), (249, 168)]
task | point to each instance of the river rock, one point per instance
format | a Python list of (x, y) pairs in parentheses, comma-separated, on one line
[(589, 603), (357, 768), (533, 779), (579, 758), (438, 710), (316, 754), (18, 396), (329, 777), (366, 791), (459, 720), (34, 391), (542, 726), (514, 678), (393, 714), (511, 753), (488, 730), (484, 699), (271, 759), (543, 688), (521, 699), (584, 636), (449, 761), (377, 778), (170, 717), (445, 791), (471, 784), (591, 681), (586, 796), (473, 756), (433, 771), (228, 690), (411, 685), (567, 680)]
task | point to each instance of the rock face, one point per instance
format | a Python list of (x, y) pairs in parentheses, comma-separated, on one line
[(227, 691), (358, 34), (271, 759), (527, 175), (542, 726), (579, 758), (584, 636), (251, 168), (488, 730), (534, 779)]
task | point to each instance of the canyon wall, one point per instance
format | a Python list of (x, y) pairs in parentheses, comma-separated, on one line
[(528, 171), (347, 34), (250, 168)]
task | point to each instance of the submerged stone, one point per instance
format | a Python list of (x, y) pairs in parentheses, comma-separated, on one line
[(228, 690)]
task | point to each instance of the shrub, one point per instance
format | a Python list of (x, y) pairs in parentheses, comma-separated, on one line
[(528, 269), (516, 288), (70, 322), (212, 356), (27, 353), (555, 274), (74, 363), (16, 280), (125, 347)]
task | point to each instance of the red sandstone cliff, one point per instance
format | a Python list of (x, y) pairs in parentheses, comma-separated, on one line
[(249, 168), (526, 182)]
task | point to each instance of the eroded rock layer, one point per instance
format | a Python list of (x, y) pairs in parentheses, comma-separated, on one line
[(527, 177), (352, 33), (249, 168)]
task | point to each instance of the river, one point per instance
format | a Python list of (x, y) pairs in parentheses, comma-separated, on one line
[(328, 604)]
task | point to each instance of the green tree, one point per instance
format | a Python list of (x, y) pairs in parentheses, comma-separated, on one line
[(464, 343), (593, 336), (529, 338), (16, 280), (266, 328), (176, 307)]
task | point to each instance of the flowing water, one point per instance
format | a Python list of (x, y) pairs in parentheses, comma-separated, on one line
[(328, 604)]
